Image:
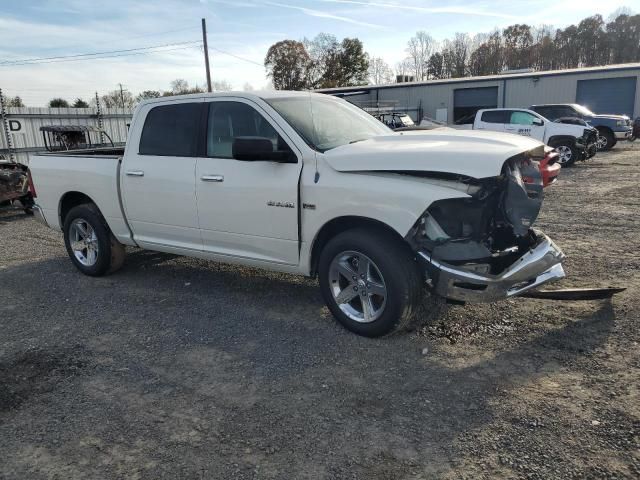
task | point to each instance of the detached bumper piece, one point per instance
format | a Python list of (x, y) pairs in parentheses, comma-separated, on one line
[(541, 264), (39, 215)]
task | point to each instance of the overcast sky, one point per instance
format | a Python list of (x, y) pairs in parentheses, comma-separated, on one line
[(245, 28)]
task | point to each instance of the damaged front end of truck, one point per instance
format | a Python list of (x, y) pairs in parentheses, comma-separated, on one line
[(482, 247)]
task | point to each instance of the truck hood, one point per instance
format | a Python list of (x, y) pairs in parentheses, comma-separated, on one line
[(470, 153), (610, 116)]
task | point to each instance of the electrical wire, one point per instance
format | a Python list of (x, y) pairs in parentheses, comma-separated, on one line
[(236, 56), (29, 61)]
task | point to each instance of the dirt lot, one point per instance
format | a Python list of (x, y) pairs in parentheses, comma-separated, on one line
[(179, 368)]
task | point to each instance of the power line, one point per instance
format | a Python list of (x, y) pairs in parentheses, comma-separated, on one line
[(194, 45), (26, 61), (236, 56)]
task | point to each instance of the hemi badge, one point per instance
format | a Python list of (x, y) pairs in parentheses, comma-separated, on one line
[(309, 206), (271, 203)]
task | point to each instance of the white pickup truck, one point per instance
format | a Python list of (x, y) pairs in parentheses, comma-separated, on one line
[(309, 184), (572, 142)]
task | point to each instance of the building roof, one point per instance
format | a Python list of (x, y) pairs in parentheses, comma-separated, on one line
[(505, 76)]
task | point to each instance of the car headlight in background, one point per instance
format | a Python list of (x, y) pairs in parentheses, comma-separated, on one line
[(621, 123)]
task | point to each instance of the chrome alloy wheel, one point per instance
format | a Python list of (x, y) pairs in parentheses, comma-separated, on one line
[(601, 142), (565, 154), (357, 286), (84, 242)]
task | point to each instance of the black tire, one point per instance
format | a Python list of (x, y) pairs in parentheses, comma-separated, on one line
[(400, 275), (568, 153), (606, 141), (110, 252)]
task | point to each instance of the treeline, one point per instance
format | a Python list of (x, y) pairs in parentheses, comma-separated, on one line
[(122, 98), (324, 62)]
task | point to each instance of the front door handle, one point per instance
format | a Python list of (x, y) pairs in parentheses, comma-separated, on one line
[(212, 178), (135, 173)]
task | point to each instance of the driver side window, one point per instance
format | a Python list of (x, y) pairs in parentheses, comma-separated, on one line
[(231, 120), (522, 118)]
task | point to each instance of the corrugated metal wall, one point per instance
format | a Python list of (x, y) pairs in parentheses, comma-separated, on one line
[(25, 122), (512, 92), (523, 92)]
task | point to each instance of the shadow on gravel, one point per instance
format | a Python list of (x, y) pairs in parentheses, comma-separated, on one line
[(247, 360), (36, 372), (10, 215)]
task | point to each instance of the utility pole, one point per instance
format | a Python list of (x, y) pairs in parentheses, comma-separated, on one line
[(121, 95), (206, 53), (99, 114), (5, 125)]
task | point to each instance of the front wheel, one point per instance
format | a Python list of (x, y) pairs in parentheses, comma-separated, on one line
[(90, 244), (606, 140), (567, 154), (370, 282)]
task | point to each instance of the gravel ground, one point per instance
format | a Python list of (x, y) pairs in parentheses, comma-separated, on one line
[(180, 368)]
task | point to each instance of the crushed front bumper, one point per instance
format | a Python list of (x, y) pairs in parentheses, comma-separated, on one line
[(541, 264)]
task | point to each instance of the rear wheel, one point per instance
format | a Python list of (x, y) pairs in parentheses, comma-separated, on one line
[(567, 154), (370, 282), (90, 244), (606, 140)]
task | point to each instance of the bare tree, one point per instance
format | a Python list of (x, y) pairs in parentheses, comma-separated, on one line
[(247, 87), (221, 86), (117, 98), (404, 67), (379, 71), (419, 48), (14, 102), (179, 86)]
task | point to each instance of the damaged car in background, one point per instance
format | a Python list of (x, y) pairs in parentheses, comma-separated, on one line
[(309, 184)]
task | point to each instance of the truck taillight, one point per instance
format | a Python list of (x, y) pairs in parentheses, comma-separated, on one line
[(32, 187)]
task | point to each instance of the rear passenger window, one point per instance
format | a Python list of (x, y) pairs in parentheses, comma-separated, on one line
[(495, 116), (230, 120), (171, 130)]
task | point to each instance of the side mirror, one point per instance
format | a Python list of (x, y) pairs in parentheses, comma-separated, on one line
[(538, 123), (252, 149)]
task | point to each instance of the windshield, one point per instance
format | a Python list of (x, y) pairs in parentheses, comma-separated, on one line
[(583, 110), (326, 122)]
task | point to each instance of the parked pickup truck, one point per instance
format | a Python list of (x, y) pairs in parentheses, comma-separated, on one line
[(572, 142), (308, 184), (611, 128)]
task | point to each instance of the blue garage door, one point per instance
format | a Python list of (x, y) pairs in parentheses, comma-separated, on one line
[(608, 95), (467, 101)]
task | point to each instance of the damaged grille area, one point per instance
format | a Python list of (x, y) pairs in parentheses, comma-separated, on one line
[(488, 230)]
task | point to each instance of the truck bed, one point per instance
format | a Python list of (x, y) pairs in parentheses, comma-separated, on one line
[(94, 172)]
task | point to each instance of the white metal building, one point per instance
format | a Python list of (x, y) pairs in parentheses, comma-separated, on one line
[(21, 133), (611, 89)]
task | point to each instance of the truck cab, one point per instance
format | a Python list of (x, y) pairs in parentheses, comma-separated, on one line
[(573, 142)]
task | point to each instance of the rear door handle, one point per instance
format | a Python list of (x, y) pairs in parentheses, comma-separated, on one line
[(135, 173), (212, 178)]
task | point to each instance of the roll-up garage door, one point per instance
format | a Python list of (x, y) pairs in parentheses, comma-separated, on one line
[(467, 101), (608, 95)]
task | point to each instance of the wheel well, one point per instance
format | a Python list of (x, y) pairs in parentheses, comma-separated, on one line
[(558, 139), (604, 129), (339, 225), (70, 200)]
